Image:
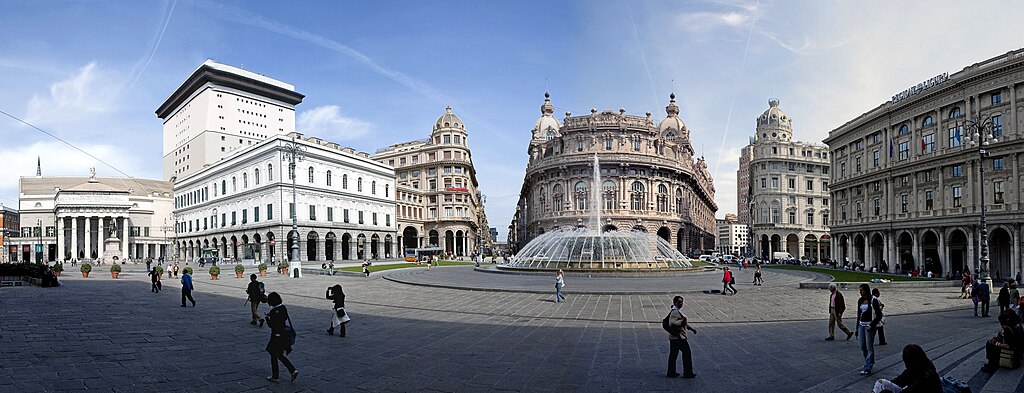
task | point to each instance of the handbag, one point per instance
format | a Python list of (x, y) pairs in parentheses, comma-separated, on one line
[(289, 332), (340, 312)]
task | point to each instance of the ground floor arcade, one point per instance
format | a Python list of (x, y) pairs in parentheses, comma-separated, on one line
[(272, 244)]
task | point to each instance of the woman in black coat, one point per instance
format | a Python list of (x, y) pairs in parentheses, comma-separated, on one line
[(920, 375), (280, 342), (339, 317)]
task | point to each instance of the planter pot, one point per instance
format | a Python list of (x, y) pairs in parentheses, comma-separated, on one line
[(263, 273), (214, 276), (58, 273), (284, 271), (114, 274), (238, 274), (85, 274)]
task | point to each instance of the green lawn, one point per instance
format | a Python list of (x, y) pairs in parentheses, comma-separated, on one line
[(697, 263), (845, 275), (377, 268)]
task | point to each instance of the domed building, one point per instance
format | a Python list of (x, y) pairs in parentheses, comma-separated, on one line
[(649, 179), (783, 190)]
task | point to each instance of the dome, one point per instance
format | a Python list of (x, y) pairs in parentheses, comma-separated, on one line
[(547, 121), (774, 115), (449, 120), (673, 121)]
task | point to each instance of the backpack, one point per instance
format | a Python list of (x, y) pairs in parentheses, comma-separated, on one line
[(667, 325), (289, 332), (263, 295), (953, 385)]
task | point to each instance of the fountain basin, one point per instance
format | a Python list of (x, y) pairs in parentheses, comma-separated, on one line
[(589, 250)]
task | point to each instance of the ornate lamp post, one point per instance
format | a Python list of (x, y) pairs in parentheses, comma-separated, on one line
[(979, 134), (294, 152), (39, 248)]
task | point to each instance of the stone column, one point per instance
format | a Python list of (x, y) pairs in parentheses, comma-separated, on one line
[(1015, 256), (74, 237), (887, 250), (124, 238), (88, 237), (972, 261), (101, 236), (59, 236), (943, 258)]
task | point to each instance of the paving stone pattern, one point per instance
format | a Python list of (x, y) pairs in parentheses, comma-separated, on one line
[(115, 335)]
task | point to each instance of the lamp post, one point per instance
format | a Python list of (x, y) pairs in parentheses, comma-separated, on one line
[(979, 134), (480, 226), (294, 152), (177, 249), (39, 248)]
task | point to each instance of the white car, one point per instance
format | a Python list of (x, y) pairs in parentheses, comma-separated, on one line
[(706, 258)]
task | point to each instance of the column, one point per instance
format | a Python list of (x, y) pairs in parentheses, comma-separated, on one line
[(124, 238), (74, 237), (800, 249), (101, 236), (943, 258), (887, 250), (88, 237), (972, 261), (60, 239), (1015, 256)]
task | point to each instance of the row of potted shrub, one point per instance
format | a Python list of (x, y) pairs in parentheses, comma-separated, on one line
[(115, 270)]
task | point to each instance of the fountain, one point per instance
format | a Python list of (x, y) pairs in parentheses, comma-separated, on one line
[(588, 248)]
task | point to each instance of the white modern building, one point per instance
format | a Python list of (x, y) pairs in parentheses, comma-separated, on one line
[(241, 207), (733, 237), (220, 109)]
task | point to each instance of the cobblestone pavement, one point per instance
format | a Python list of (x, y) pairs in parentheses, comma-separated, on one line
[(115, 335)]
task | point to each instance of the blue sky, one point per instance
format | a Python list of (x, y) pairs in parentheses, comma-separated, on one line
[(377, 73)]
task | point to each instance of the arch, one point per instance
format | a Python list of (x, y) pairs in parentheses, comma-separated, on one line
[(361, 246), (637, 196), (904, 248), (346, 245), (665, 233), (329, 242), (609, 227), (580, 189), (271, 246), (793, 245), (374, 246), (639, 228), (876, 249), (449, 242), (662, 198), (811, 248), (312, 238), (328, 177), (764, 246), (387, 246), (956, 245), (224, 247), (955, 112), (311, 174), (775, 243), (928, 121), (433, 239), (930, 248), (256, 176), (270, 172), (246, 249), (234, 247), (409, 239), (460, 243), (904, 130), (999, 253)]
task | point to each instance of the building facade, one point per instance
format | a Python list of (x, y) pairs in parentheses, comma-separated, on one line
[(82, 218), (906, 176), (787, 189), (732, 236), (439, 203), (649, 178), (9, 227), (241, 207), (220, 109)]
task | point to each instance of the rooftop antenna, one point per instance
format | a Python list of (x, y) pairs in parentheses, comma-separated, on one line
[(39, 167)]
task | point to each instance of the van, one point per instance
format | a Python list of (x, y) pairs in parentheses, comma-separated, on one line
[(781, 256)]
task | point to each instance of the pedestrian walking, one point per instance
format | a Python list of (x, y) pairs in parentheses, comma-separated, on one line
[(331, 267), (836, 308), (366, 268), (881, 323), (154, 277), (1004, 298), (281, 337), (757, 276), (676, 325), (965, 287), (727, 281), (187, 288), (255, 295), (559, 284), (919, 375), (175, 270), (1014, 296), (984, 294), (869, 314), (339, 317)]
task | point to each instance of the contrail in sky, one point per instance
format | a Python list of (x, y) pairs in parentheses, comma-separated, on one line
[(643, 54), (152, 51), (732, 101)]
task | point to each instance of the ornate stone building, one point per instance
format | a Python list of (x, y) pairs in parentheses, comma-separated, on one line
[(439, 204), (786, 185), (905, 181), (649, 178)]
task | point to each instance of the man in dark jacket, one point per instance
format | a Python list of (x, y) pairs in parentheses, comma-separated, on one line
[(255, 295), (984, 296), (836, 307), (1004, 298)]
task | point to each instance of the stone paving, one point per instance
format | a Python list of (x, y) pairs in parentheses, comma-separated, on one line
[(114, 335)]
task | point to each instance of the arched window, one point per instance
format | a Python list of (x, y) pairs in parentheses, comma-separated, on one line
[(928, 121), (373, 187), (344, 181), (904, 130), (551, 135), (637, 197), (955, 112), (608, 194), (245, 181), (387, 190), (224, 186), (556, 197), (580, 189), (359, 184), (270, 172), (214, 188), (256, 176), (662, 198), (541, 199), (679, 200), (328, 178), (310, 174), (234, 185)]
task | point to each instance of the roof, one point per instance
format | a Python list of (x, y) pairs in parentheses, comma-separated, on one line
[(228, 76), (136, 187)]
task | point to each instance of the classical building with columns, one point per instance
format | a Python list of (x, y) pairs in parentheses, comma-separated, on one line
[(650, 180), (784, 190), (905, 179), (88, 218), (439, 204)]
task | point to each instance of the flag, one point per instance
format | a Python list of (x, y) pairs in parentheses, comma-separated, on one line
[(956, 133), (890, 147), (923, 146)]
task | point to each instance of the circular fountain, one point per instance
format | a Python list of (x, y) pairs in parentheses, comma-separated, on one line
[(592, 250)]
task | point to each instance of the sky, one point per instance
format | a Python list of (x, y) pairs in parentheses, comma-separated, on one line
[(92, 73)]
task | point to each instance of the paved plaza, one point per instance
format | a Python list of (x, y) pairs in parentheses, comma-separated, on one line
[(115, 335)]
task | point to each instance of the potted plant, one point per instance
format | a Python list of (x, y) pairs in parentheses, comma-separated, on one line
[(159, 270), (284, 268), (188, 269), (115, 270), (239, 269), (86, 268), (214, 272), (263, 269), (57, 268)]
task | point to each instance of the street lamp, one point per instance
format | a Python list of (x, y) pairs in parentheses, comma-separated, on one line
[(39, 248), (979, 133), (294, 152), (480, 225)]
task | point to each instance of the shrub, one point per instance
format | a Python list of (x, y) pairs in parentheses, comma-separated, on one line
[(58, 267), (115, 268), (188, 270), (86, 268), (262, 267), (160, 270), (214, 271), (239, 268), (284, 265)]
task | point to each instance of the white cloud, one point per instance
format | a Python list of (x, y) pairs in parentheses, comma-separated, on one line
[(88, 92), (703, 21), (328, 123), (59, 159)]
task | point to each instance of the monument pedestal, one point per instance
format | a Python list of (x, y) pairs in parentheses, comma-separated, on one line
[(112, 248)]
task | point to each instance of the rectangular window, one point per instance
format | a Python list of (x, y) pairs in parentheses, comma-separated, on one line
[(928, 201), (810, 201), (878, 206), (810, 185), (374, 218), (792, 183), (997, 126), (997, 189), (764, 183), (312, 213), (330, 214), (245, 216), (957, 170), (955, 134), (997, 97), (223, 220), (928, 143), (824, 186), (997, 164), (145, 231), (291, 210), (858, 164), (344, 214), (904, 148), (904, 180), (903, 203), (956, 196), (234, 218), (360, 216), (387, 220), (792, 166), (810, 218), (270, 211), (792, 199), (775, 182), (447, 139), (875, 158), (842, 169), (792, 217), (256, 214), (842, 213)]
